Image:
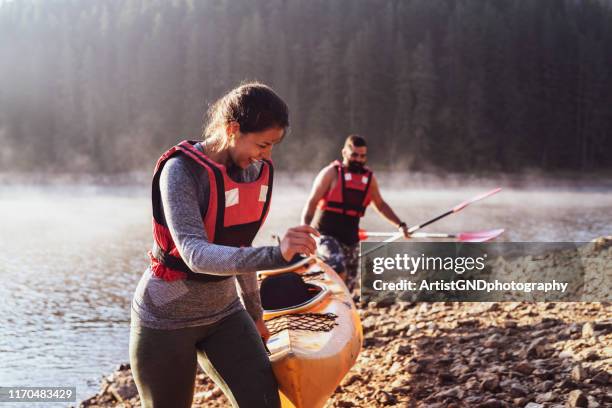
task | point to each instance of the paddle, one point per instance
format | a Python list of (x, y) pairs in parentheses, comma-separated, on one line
[(453, 210), (476, 236)]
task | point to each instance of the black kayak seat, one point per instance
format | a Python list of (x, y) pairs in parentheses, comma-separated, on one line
[(285, 290)]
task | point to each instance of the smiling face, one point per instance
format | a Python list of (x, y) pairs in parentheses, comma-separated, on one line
[(248, 148), (354, 157)]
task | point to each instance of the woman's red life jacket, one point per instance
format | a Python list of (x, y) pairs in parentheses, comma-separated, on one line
[(234, 215), (351, 194)]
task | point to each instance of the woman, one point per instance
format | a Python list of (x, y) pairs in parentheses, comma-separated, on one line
[(209, 201)]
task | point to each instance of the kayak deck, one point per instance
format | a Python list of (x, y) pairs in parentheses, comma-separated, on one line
[(318, 341)]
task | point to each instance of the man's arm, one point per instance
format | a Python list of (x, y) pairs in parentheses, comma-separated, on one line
[(320, 187), (384, 209)]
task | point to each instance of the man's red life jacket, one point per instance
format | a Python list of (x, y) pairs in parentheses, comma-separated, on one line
[(351, 194), (234, 215)]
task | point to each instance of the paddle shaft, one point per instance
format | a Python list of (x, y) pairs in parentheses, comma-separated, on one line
[(415, 235), (453, 210), (472, 236), (418, 227)]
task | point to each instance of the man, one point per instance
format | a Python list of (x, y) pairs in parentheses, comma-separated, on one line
[(340, 195)]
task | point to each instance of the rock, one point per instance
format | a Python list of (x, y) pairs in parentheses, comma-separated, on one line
[(395, 368), (491, 403), (490, 383), (351, 380), (472, 400), (369, 342), (454, 392), (468, 323), (385, 302), (400, 382), (386, 398), (567, 383), (601, 378), (545, 386), (524, 367), (579, 374), (603, 326), (369, 323), (519, 402), (345, 404), (125, 392), (403, 349), (446, 378), (537, 348), (592, 402), (544, 374), (460, 369), (577, 399), (494, 341), (592, 356), (534, 405), (588, 330), (518, 390), (547, 397)]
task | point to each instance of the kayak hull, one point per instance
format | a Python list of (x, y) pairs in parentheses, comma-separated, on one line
[(309, 365)]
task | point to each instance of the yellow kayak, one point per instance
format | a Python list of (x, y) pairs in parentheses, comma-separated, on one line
[(316, 331)]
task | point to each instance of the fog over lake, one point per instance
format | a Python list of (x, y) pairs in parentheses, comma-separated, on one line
[(72, 255)]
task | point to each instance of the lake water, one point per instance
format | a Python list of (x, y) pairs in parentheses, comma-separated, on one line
[(71, 257)]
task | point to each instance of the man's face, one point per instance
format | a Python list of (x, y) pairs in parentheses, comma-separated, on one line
[(354, 157)]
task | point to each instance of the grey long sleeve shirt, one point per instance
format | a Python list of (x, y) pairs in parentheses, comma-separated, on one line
[(159, 304)]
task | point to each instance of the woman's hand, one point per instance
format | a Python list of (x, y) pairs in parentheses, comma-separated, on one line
[(298, 240), (263, 330)]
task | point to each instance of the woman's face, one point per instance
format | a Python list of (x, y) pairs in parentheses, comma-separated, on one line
[(247, 148)]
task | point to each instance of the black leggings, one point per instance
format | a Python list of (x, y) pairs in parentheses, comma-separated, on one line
[(230, 351)]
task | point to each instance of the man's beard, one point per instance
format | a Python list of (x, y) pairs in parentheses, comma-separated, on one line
[(355, 167)]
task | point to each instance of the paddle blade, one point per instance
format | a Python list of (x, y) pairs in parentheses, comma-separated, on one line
[(479, 236), (477, 198), (363, 234)]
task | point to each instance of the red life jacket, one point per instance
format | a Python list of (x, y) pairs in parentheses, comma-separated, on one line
[(234, 215), (351, 194)]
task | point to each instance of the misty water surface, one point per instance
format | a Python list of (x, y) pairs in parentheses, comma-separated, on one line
[(71, 257)]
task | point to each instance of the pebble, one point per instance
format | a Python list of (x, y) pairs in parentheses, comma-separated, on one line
[(577, 399), (490, 384), (524, 368), (545, 386), (588, 330), (547, 397), (518, 390), (491, 403), (601, 378)]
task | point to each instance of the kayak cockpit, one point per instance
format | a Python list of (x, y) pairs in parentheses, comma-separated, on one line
[(287, 292)]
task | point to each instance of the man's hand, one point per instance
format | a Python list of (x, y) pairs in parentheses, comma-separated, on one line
[(403, 228)]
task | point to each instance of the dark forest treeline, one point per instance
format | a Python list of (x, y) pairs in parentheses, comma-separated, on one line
[(461, 85)]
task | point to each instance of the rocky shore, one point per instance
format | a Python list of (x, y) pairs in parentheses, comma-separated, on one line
[(450, 354), (486, 355)]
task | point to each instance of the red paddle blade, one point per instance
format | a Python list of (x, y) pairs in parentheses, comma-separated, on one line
[(479, 236), (363, 234), (477, 198)]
